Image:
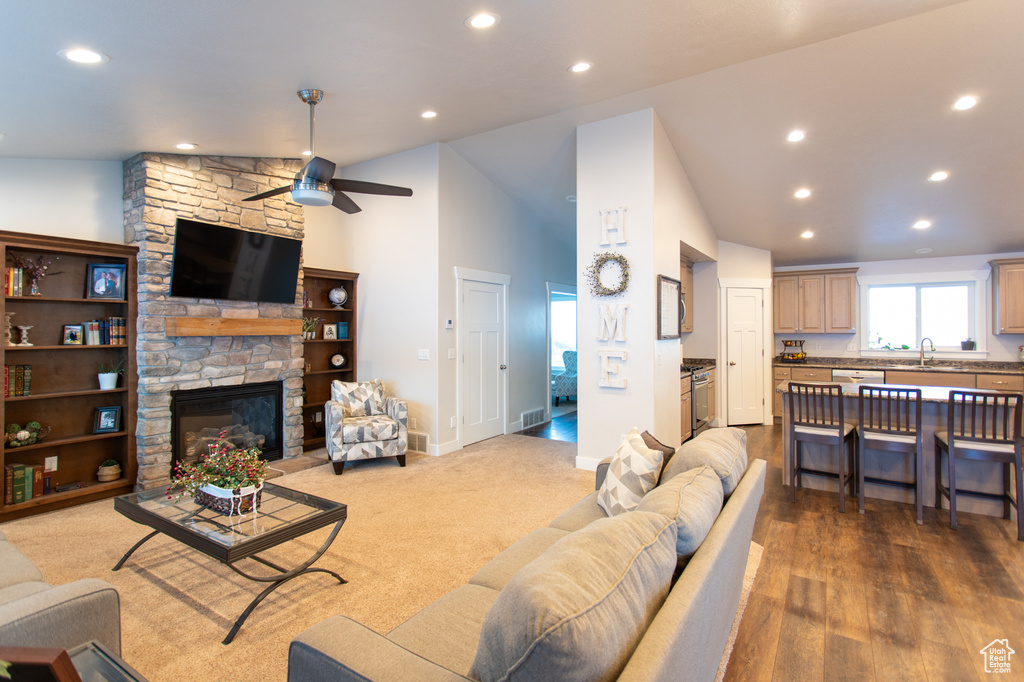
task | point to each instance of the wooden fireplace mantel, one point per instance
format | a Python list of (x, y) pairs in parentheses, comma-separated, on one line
[(230, 326)]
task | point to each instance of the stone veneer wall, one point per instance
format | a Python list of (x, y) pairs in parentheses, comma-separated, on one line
[(157, 189)]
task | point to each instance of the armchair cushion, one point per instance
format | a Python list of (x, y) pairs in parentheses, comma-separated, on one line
[(366, 429), (359, 399)]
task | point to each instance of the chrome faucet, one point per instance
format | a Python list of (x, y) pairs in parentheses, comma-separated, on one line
[(930, 343)]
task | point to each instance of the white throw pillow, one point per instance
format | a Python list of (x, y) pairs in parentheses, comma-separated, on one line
[(634, 470)]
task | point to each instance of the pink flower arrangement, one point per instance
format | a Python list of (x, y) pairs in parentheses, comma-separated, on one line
[(36, 269), (225, 467)]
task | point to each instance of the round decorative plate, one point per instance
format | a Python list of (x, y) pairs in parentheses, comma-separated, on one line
[(338, 360)]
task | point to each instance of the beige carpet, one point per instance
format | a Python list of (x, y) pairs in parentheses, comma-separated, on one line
[(412, 535), (753, 562)]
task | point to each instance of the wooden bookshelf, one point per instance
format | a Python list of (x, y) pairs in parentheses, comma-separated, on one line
[(64, 392), (317, 352)]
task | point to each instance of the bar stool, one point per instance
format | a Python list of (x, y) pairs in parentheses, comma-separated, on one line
[(890, 419), (816, 416), (982, 426)]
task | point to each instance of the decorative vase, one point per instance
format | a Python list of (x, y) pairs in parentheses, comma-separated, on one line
[(109, 473), (108, 380), (230, 502), (309, 335), (33, 288)]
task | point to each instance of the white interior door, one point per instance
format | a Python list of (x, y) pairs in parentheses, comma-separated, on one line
[(745, 355), (482, 321)]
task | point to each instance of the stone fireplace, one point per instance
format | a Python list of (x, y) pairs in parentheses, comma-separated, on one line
[(157, 189)]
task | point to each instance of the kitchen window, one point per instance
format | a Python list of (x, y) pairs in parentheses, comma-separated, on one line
[(899, 312)]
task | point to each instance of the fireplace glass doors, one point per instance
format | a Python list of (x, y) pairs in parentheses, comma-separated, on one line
[(250, 415)]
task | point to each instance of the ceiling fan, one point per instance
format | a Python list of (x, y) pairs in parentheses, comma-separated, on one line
[(315, 184)]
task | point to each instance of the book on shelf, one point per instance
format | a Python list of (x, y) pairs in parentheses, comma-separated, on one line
[(9, 483), (13, 281), (108, 332), (17, 380), (37, 480), (17, 485)]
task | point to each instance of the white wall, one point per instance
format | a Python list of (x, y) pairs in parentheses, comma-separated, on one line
[(393, 245), (482, 228), (1001, 347), (75, 199)]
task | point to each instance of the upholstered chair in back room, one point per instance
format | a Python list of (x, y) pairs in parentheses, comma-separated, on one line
[(363, 422), (565, 383)]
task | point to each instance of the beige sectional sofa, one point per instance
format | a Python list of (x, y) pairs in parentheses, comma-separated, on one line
[(589, 597), (35, 613)]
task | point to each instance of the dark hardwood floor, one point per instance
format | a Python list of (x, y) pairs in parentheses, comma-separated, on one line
[(561, 428), (874, 596)]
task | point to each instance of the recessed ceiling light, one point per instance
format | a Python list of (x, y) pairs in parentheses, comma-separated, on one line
[(802, 193), (580, 67), (186, 145), (83, 56), (806, 234), (429, 114), (938, 176), (796, 136), (923, 250), (922, 224), (307, 153), (482, 20), (965, 102), (571, 199)]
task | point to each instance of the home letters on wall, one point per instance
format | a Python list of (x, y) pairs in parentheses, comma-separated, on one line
[(611, 317)]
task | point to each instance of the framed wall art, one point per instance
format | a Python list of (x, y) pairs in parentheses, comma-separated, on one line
[(668, 307)]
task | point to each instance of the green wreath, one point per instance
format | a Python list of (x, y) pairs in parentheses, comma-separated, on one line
[(595, 269)]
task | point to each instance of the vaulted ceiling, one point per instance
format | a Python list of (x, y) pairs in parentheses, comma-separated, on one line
[(872, 82)]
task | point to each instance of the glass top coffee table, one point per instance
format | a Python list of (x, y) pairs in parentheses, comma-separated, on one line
[(283, 515)]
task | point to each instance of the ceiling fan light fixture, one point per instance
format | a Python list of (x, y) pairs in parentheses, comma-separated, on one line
[(312, 193)]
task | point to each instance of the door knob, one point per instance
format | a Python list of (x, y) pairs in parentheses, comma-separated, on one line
[(503, 367), (731, 363)]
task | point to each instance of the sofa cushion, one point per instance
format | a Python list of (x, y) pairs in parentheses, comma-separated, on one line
[(724, 450), (17, 568), (633, 471), (368, 428), (499, 570), (578, 611), (694, 499), (580, 514), (359, 398), (447, 630), (19, 590), (654, 444)]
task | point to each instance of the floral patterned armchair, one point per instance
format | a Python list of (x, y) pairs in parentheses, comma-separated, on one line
[(364, 423), (565, 383)]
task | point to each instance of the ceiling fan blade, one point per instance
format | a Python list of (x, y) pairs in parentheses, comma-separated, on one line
[(271, 193), (362, 187), (319, 169), (345, 203)]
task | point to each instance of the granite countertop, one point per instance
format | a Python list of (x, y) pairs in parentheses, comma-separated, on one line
[(929, 394), (965, 366)]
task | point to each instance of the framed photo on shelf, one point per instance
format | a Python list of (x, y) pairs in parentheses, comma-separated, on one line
[(330, 332), (107, 419), (668, 307), (105, 280), (73, 335)]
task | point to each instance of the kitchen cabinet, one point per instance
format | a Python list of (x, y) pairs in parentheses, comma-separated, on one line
[(686, 292), (810, 374), (1001, 382), (951, 379), (1008, 296), (781, 374), (686, 413), (815, 302), (711, 395)]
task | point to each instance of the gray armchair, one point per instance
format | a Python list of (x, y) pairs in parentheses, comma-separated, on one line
[(364, 423), (565, 383)]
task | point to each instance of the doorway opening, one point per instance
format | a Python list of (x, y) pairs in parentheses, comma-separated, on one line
[(561, 423)]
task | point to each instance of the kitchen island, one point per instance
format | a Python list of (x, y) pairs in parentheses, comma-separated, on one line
[(981, 476)]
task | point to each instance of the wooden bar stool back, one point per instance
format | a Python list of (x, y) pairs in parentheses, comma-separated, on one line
[(816, 416), (982, 426), (890, 420)]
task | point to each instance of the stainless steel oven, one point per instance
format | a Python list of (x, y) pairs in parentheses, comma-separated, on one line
[(701, 411)]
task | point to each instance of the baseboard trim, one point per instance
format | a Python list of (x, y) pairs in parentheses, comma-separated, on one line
[(444, 448)]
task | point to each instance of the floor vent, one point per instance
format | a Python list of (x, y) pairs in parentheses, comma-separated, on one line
[(418, 442), (533, 417)]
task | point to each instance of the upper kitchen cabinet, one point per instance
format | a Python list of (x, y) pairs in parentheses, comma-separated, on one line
[(815, 302), (1008, 296)]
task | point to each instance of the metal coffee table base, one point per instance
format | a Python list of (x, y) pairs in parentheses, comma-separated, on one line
[(275, 581)]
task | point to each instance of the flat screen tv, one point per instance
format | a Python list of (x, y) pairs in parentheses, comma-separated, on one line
[(214, 261)]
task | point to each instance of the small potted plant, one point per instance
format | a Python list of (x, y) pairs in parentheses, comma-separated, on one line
[(110, 470), (227, 480), (967, 345), (108, 375), (309, 325)]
